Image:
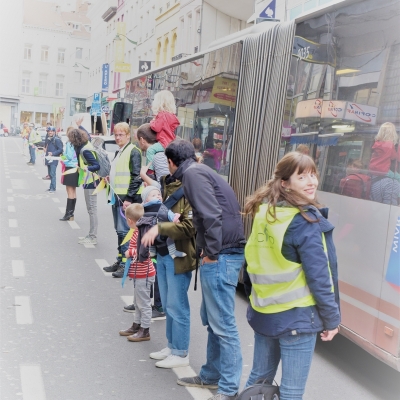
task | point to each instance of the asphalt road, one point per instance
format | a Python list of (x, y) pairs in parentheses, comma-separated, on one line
[(60, 314)]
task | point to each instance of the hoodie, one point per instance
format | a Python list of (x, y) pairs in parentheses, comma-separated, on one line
[(164, 124)]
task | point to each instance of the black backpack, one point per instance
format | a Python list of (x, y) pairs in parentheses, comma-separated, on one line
[(261, 390)]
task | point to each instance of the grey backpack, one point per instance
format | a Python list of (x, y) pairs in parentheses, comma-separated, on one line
[(102, 158)]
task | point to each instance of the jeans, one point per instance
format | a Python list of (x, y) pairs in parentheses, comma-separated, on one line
[(91, 206), (296, 354), (32, 153), (142, 301), (174, 298), (122, 228), (224, 357), (51, 169)]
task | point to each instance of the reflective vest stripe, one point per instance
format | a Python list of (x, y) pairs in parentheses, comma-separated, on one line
[(282, 299), (275, 278)]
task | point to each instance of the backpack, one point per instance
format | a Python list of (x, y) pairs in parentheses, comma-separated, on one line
[(356, 185), (261, 390), (102, 158)]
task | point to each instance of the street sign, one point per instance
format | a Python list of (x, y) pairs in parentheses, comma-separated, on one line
[(144, 66), (268, 11), (96, 105), (105, 109)]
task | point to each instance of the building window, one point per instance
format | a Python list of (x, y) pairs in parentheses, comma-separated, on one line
[(61, 56), (59, 86), (78, 53), (42, 84), (27, 52), (77, 76), (44, 54), (26, 82), (76, 27)]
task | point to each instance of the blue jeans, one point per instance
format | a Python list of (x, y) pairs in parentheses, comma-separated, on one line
[(122, 228), (224, 357), (52, 168), (173, 290), (296, 353), (32, 153)]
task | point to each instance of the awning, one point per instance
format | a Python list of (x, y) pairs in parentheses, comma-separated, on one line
[(328, 139)]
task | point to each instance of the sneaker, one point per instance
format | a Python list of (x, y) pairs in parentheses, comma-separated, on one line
[(221, 396), (112, 268), (173, 361), (30, 163), (88, 240), (49, 191), (157, 315), (119, 273), (195, 381), (46, 178), (161, 355), (130, 308)]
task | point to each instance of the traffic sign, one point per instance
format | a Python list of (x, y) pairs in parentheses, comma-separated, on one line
[(96, 105), (105, 109)]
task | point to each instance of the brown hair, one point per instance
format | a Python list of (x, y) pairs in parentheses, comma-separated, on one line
[(144, 131), (69, 129), (78, 137), (273, 192), (134, 212), (197, 144)]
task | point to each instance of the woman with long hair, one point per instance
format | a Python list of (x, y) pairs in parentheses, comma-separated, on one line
[(70, 181), (291, 275)]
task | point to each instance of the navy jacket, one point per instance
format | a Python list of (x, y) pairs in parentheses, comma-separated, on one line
[(302, 243), (55, 147)]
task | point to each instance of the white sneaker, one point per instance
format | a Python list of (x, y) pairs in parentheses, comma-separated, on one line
[(173, 361), (161, 355), (88, 240)]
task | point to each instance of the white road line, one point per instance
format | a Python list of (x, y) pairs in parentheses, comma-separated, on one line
[(11, 208), (56, 200), (90, 246), (128, 300), (73, 225), (9, 190), (23, 311), (15, 241), (196, 393), (62, 209), (12, 223), (32, 382), (102, 263), (18, 268), (10, 199)]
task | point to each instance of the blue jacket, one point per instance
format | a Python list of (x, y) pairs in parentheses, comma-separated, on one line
[(55, 147), (302, 243), (71, 159)]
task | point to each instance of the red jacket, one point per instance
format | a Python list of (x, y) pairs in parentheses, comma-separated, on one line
[(165, 124), (139, 270), (382, 155)]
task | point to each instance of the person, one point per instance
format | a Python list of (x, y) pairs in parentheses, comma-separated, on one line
[(88, 165), (291, 273), (24, 135), (220, 235), (197, 144), (77, 120), (123, 190), (54, 148), (70, 181), (174, 275), (216, 154), (303, 149), (33, 139), (142, 272)]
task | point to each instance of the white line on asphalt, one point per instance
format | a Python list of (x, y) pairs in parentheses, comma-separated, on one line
[(9, 190), (128, 300), (90, 246), (18, 268), (10, 199), (11, 208), (32, 382), (102, 263), (56, 200), (12, 223), (62, 209), (14, 241), (196, 393), (23, 311), (73, 225)]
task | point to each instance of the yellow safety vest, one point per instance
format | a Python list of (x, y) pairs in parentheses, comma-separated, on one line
[(277, 283), (88, 177), (34, 137)]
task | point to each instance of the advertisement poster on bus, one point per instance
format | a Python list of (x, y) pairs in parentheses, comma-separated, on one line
[(224, 91), (393, 269)]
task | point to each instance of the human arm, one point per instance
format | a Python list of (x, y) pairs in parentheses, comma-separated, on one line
[(157, 123), (146, 179), (132, 249), (135, 163), (92, 163), (59, 147)]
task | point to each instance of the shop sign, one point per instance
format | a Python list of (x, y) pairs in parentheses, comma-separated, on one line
[(224, 91), (105, 77), (186, 117), (310, 51), (309, 109), (122, 67), (333, 109), (361, 113)]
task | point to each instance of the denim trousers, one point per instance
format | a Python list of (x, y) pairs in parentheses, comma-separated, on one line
[(224, 357), (91, 206), (142, 301), (52, 169), (32, 153), (296, 353), (122, 228), (174, 298)]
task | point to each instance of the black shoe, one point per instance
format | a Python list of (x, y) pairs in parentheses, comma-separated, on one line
[(119, 273), (130, 308), (69, 212), (157, 314), (112, 268)]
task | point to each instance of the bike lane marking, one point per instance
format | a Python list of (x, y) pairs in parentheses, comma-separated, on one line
[(32, 382)]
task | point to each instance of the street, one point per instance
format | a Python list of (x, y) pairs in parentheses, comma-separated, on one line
[(60, 313)]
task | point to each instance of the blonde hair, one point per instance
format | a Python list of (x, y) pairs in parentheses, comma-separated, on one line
[(164, 101), (134, 212), (123, 126), (387, 133)]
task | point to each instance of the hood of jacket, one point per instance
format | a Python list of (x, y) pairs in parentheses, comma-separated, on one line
[(182, 168)]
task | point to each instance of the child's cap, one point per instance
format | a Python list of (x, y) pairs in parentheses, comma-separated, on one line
[(146, 192)]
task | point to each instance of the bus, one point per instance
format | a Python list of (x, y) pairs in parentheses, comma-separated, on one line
[(324, 85)]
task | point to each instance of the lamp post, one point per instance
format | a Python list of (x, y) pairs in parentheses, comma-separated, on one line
[(117, 38), (77, 66)]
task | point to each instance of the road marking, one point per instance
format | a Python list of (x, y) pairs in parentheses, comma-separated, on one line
[(56, 200), (128, 300), (11, 208), (74, 225), (32, 382), (23, 311), (102, 263), (12, 223), (9, 190), (18, 268), (196, 393), (14, 241), (90, 246), (10, 198)]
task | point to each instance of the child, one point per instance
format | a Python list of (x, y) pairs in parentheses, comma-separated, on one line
[(143, 275), (164, 123), (152, 202)]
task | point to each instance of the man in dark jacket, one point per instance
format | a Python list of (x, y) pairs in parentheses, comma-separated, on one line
[(54, 148), (123, 190), (220, 235)]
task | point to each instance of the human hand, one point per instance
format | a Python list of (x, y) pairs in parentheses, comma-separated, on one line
[(50, 153), (126, 205), (207, 260), (176, 218), (327, 336), (150, 236), (107, 179), (144, 169), (127, 255)]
